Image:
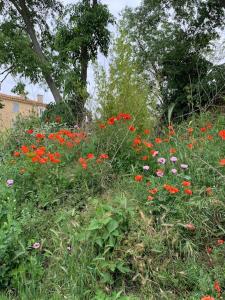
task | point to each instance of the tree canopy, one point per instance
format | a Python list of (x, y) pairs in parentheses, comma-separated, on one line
[(45, 41), (172, 39)]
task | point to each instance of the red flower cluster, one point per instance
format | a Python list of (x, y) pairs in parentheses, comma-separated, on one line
[(38, 154), (90, 156), (171, 189)]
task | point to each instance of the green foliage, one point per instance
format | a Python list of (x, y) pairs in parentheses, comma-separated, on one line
[(172, 42), (124, 89), (58, 54), (100, 236)]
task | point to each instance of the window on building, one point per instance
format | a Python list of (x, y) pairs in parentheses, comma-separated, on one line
[(16, 107)]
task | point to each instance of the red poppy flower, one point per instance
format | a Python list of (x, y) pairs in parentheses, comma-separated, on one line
[(207, 298), (209, 191), (138, 178), (190, 146), (16, 154), (222, 134), (171, 189), (29, 131), (90, 156), (150, 198), (188, 192), (146, 131), (203, 129), (104, 156), (102, 126), (158, 141), (220, 242), (209, 250), (222, 162), (40, 136), (137, 141), (131, 128), (144, 157), (24, 149), (111, 121), (190, 130), (210, 137), (217, 287), (186, 183), (147, 144), (153, 191)]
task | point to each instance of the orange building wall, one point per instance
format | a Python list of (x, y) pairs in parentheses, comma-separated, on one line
[(25, 108)]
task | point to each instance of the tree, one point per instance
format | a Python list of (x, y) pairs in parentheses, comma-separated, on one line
[(78, 41), (44, 41), (124, 89), (172, 39), (24, 37)]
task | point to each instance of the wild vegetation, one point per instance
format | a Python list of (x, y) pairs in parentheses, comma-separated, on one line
[(127, 203)]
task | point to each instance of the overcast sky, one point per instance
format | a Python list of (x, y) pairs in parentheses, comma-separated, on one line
[(115, 7)]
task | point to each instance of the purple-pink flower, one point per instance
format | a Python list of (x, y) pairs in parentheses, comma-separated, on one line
[(184, 166), (146, 168), (160, 173), (161, 160), (10, 182), (174, 171), (173, 158), (36, 245)]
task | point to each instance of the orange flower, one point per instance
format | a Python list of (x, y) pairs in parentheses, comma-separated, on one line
[(144, 157), (190, 130), (207, 298), (147, 144), (153, 191), (171, 189), (158, 141), (173, 150), (188, 192), (102, 126), (210, 137), (222, 134), (146, 131), (222, 162), (16, 154), (138, 178), (217, 287), (190, 146)]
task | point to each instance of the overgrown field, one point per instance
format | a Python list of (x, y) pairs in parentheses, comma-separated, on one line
[(115, 211)]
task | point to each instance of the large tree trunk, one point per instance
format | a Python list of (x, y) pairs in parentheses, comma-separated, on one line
[(24, 12)]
